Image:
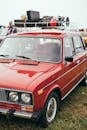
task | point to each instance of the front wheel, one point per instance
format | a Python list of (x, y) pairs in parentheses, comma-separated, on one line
[(50, 110)]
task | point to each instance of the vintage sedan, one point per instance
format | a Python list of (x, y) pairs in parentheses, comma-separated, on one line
[(38, 69)]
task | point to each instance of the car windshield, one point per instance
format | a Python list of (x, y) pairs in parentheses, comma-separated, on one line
[(39, 49)]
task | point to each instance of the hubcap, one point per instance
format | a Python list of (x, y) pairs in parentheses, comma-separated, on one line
[(51, 109)]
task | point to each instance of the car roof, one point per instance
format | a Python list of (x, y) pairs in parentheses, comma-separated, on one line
[(51, 33)]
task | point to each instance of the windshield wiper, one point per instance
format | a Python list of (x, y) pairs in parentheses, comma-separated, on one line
[(23, 57), (4, 55), (28, 58)]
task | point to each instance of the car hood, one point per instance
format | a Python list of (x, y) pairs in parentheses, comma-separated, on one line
[(19, 76)]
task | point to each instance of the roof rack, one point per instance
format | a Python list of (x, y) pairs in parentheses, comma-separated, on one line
[(37, 26), (40, 26), (43, 25)]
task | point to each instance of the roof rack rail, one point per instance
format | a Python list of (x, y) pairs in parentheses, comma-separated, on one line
[(35, 26), (43, 25)]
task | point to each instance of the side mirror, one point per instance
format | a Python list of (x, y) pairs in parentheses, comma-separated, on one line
[(69, 59)]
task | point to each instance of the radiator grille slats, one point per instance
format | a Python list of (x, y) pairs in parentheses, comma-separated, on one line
[(3, 96)]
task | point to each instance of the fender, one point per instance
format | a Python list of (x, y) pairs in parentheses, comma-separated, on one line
[(49, 90)]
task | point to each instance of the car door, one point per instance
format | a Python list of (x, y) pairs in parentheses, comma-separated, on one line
[(80, 57), (73, 50)]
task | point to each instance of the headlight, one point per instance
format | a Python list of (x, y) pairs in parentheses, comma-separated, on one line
[(13, 96), (26, 98)]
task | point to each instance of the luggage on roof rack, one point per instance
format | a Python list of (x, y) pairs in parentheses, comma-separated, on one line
[(19, 23), (46, 18), (33, 16)]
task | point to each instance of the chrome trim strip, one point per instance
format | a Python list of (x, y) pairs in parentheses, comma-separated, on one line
[(72, 88), (23, 114), (16, 113), (15, 90)]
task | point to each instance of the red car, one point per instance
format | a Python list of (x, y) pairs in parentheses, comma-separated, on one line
[(38, 70)]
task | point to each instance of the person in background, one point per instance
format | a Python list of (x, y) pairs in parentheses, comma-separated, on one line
[(59, 20), (11, 28), (67, 21)]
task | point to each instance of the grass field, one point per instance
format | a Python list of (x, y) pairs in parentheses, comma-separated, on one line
[(73, 115)]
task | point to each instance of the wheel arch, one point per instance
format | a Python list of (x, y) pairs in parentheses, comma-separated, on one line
[(56, 90)]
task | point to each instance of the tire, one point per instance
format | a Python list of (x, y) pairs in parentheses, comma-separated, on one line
[(50, 110)]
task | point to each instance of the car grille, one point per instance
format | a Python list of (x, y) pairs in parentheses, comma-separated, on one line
[(3, 96)]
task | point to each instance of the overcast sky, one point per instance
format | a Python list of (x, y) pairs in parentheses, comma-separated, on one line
[(75, 9)]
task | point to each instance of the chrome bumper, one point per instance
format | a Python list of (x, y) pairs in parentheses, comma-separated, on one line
[(16, 113)]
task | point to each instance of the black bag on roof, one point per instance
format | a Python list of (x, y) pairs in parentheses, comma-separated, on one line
[(33, 16)]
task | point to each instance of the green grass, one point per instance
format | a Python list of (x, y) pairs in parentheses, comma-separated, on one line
[(73, 115)]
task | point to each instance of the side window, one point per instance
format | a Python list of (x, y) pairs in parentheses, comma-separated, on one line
[(68, 47), (78, 44)]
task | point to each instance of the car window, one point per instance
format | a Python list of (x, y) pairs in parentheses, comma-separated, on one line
[(68, 47), (78, 44)]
